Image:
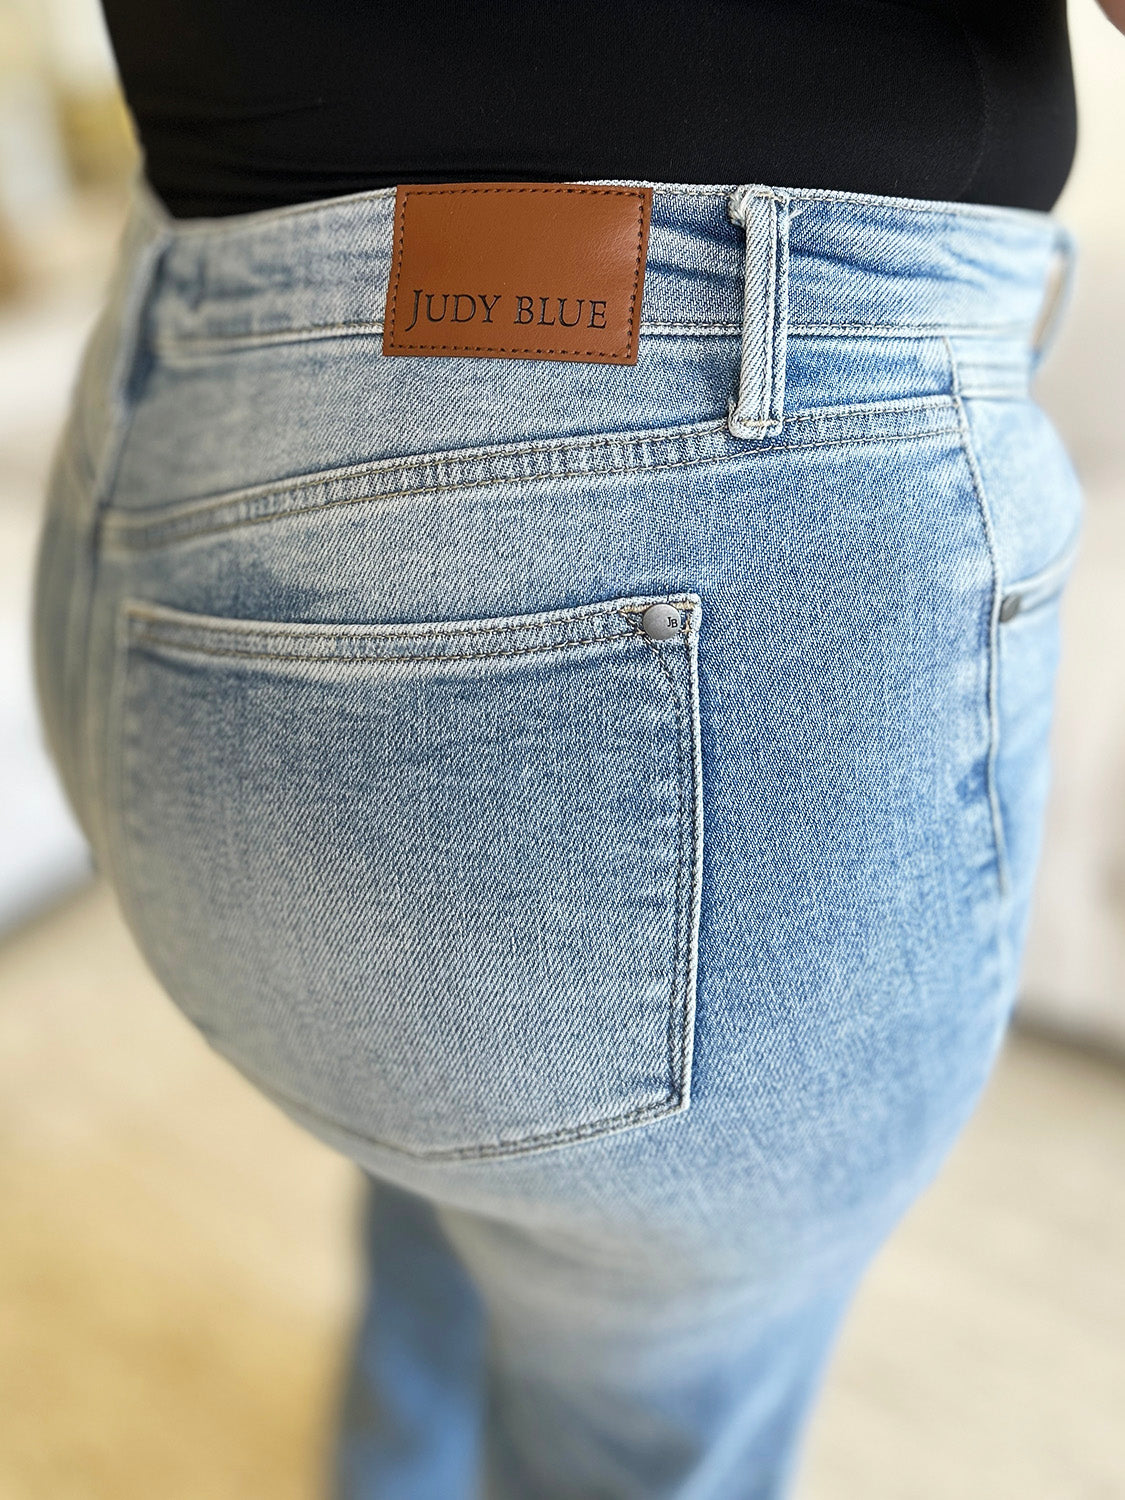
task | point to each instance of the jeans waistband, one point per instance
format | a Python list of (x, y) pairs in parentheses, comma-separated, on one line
[(764, 262)]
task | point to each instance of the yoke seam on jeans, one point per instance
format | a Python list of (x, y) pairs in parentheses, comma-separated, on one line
[(993, 714), (142, 518), (578, 443), (188, 532), (397, 463)]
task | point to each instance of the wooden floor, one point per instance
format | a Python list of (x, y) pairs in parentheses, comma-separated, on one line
[(176, 1270)]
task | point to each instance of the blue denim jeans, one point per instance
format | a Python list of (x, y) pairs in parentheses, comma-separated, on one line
[(602, 801)]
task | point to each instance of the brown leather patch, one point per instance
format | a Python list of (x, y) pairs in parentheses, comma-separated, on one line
[(518, 270)]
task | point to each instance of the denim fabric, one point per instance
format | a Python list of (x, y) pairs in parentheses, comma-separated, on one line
[(650, 977)]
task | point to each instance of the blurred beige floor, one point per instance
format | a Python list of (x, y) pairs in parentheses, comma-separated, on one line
[(177, 1269)]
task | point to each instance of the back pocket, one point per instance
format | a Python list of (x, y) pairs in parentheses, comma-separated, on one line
[(436, 883)]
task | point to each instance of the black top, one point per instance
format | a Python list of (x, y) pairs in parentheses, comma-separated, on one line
[(250, 104)]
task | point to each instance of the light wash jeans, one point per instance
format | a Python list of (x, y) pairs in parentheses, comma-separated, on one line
[(649, 961)]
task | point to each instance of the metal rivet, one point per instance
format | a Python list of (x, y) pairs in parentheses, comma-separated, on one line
[(1010, 606), (661, 621)]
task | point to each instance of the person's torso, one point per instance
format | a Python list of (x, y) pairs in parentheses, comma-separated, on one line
[(255, 106)]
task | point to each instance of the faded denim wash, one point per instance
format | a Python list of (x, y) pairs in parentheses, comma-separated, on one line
[(649, 974)]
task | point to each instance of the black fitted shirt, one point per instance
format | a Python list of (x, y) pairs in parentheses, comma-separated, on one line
[(251, 104)]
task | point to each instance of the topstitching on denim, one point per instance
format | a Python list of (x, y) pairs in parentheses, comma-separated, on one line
[(523, 463), (757, 408), (140, 623), (581, 625)]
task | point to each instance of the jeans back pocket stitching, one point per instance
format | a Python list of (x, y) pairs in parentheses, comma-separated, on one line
[(681, 1007)]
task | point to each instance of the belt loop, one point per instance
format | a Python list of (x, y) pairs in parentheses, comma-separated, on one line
[(758, 410), (1056, 296)]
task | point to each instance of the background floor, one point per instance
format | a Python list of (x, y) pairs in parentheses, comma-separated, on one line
[(177, 1272)]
